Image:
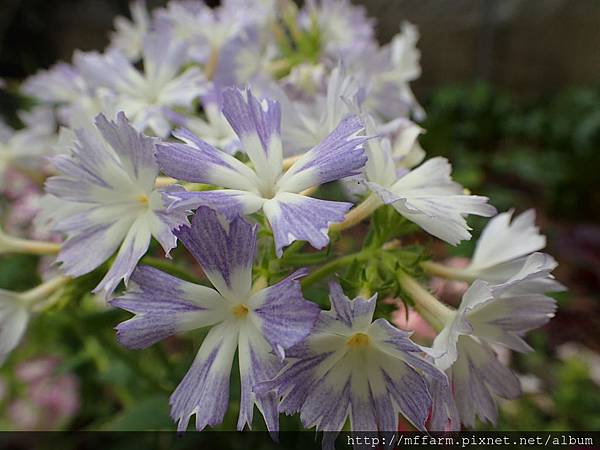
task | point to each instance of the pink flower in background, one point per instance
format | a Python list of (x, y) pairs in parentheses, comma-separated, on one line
[(451, 291), (49, 399), (412, 322)]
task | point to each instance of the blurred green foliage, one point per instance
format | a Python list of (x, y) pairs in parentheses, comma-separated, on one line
[(545, 152)]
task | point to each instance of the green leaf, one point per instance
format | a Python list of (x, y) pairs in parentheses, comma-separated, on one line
[(149, 414), (18, 272)]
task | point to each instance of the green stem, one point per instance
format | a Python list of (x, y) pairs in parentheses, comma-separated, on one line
[(429, 307), (169, 268), (11, 244), (334, 265), (440, 270), (212, 63), (358, 213), (41, 292)]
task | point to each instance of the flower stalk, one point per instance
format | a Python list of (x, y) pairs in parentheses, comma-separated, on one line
[(211, 64), (332, 266), (41, 292), (429, 307), (11, 244), (443, 271), (358, 213), (289, 162), (162, 182)]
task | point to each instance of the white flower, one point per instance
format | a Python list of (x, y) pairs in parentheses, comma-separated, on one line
[(493, 314), (425, 195), (406, 150), (503, 247)]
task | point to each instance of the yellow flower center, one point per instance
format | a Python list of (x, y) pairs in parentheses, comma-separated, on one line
[(239, 311), (358, 340), (143, 199)]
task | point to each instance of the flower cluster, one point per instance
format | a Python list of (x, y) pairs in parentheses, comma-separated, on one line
[(223, 129)]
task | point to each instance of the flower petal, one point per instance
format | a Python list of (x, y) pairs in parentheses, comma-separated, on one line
[(257, 364), (135, 245), (296, 217), (164, 305), (200, 162), (428, 197), (502, 241), (136, 151), (225, 250), (439, 214), (103, 238), (184, 89), (477, 374), (282, 314), (13, 322), (357, 313), (111, 70), (444, 413), (258, 125), (229, 202), (338, 156), (534, 277), (204, 391)]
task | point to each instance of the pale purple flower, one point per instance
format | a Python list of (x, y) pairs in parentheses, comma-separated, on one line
[(266, 186), (145, 96), (104, 200), (345, 30), (129, 35), (25, 149), (214, 127), (247, 59), (259, 325), (208, 30), (65, 88), (493, 314), (60, 84), (351, 367), (188, 22), (388, 76), (306, 123)]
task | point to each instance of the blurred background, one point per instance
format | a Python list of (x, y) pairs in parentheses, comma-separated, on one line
[(512, 94)]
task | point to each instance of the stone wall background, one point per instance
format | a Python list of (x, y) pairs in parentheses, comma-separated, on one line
[(528, 46), (531, 47)]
